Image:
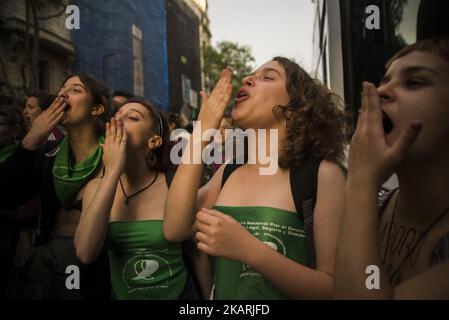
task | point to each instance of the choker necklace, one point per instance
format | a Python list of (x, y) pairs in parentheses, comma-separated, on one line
[(127, 198)]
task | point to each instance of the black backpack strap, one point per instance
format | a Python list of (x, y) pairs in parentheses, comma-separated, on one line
[(304, 183), (169, 175), (188, 248), (228, 170)]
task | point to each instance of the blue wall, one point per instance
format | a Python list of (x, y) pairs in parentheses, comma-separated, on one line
[(103, 44)]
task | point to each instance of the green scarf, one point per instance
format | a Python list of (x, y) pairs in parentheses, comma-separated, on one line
[(68, 180), (6, 152)]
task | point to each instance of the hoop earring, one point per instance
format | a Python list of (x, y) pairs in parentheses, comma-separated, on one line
[(151, 159)]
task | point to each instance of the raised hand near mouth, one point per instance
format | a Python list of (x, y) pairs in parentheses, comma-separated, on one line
[(45, 124), (114, 148), (371, 159), (214, 106)]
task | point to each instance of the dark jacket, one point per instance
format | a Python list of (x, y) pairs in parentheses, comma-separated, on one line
[(28, 174)]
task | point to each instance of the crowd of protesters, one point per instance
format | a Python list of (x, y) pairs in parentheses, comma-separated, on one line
[(87, 180)]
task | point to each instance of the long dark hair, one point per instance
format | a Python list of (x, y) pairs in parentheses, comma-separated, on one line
[(100, 94), (160, 128)]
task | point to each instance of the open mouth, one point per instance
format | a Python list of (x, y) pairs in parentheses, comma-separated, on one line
[(242, 95), (387, 123), (67, 106)]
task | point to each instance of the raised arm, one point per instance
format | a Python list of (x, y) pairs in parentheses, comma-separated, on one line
[(371, 161), (99, 196), (183, 197)]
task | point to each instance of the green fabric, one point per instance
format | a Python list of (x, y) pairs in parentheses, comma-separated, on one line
[(144, 265), (6, 152), (68, 180), (280, 229)]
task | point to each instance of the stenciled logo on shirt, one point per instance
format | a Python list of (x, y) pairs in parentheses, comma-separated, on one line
[(146, 270), (270, 240)]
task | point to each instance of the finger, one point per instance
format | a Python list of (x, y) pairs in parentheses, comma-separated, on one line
[(362, 119), (364, 96), (107, 132), (204, 248), (217, 214), (113, 129), (204, 228), (405, 140), (227, 95), (229, 74), (201, 237), (124, 138), (57, 112), (55, 104), (221, 79), (221, 82), (206, 218), (118, 135), (204, 98), (59, 105), (374, 111), (56, 121)]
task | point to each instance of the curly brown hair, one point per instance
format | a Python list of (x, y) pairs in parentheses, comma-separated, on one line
[(315, 119)]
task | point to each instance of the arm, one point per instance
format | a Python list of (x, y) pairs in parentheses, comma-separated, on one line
[(182, 198), (99, 196), (371, 161), (223, 236), (204, 273), (21, 175)]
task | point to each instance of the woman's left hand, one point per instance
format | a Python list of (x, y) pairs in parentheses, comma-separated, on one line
[(221, 235)]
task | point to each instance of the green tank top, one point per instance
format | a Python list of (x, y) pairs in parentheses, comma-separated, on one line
[(281, 230), (144, 265)]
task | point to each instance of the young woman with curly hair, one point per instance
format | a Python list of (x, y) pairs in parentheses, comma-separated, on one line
[(253, 213)]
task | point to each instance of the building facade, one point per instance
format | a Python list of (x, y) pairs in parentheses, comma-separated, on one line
[(33, 58), (187, 32), (150, 48), (347, 52), (124, 43)]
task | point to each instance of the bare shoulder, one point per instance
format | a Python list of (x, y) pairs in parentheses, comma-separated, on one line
[(330, 170), (208, 194)]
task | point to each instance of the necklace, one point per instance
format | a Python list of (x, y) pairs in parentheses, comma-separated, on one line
[(424, 234), (127, 198)]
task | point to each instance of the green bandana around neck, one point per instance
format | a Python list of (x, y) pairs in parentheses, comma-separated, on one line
[(69, 179), (7, 152)]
